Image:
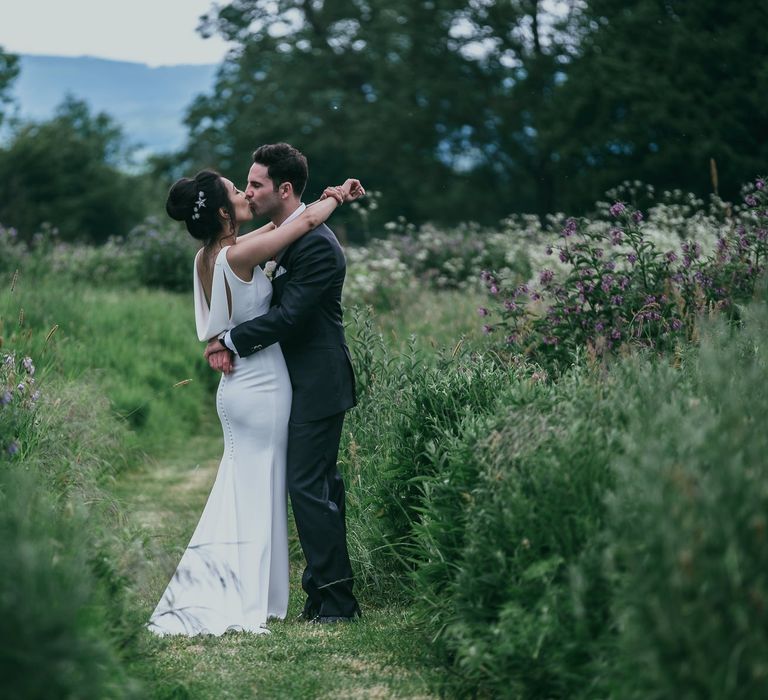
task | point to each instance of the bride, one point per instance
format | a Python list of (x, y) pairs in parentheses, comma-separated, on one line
[(234, 572)]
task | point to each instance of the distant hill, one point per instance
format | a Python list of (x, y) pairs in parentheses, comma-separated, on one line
[(149, 103)]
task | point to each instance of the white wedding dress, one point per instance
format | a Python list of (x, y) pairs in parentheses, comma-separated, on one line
[(234, 572)]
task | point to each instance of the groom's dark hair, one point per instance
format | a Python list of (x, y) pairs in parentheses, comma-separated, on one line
[(284, 163)]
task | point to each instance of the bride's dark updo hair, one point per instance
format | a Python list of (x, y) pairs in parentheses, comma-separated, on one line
[(196, 201)]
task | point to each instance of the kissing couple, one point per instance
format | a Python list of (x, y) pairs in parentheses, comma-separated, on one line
[(276, 335)]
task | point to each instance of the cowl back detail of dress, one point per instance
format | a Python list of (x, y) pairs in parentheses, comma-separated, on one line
[(234, 572)]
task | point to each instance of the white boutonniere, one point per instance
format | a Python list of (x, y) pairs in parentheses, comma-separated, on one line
[(269, 269)]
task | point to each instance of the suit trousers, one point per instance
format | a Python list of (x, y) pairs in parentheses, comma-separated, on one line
[(316, 489)]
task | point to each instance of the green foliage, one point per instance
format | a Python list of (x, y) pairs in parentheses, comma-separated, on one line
[(631, 113), (65, 171), (688, 525), (9, 69), (620, 289)]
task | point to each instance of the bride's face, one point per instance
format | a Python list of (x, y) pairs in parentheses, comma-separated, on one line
[(239, 203)]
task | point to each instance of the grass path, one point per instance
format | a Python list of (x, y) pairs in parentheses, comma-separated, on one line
[(380, 656)]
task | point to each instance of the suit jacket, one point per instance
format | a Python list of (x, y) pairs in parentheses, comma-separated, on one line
[(305, 318)]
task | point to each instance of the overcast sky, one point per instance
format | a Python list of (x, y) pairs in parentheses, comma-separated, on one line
[(156, 32)]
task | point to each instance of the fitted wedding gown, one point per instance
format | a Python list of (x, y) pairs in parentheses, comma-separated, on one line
[(234, 572)]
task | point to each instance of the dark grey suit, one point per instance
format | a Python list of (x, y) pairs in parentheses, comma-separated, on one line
[(306, 319)]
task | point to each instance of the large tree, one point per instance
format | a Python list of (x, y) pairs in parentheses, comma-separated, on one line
[(67, 172), (9, 69), (430, 101), (660, 87)]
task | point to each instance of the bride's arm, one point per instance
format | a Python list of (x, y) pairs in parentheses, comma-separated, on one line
[(256, 232), (252, 250)]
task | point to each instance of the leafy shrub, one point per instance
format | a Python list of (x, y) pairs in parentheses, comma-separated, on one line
[(688, 526), (620, 288)]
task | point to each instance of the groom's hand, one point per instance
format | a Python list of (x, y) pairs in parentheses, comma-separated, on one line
[(222, 361), (218, 358)]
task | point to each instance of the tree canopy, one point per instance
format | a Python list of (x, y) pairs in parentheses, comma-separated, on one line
[(65, 171), (460, 110)]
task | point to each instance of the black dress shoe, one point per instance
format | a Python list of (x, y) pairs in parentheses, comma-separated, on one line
[(331, 619)]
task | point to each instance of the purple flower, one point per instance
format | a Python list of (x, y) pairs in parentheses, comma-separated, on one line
[(569, 229), (535, 296), (671, 257), (546, 276), (616, 235), (487, 329), (624, 283), (616, 334), (598, 252), (607, 283), (760, 184), (617, 209), (599, 327), (677, 324), (751, 200), (21, 388), (509, 305), (35, 396), (617, 300), (28, 366), (485, 275), (13, 448), (482, 311), (564, 256), (6, 398), (511, 339), (632, 258), (637, 216), (494, 289)]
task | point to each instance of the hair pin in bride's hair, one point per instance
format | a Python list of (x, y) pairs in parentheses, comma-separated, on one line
[(199, 204)]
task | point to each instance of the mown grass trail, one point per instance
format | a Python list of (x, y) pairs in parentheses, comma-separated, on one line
[(380, 656)]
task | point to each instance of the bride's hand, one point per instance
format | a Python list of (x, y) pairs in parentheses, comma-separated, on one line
[(352, 190)]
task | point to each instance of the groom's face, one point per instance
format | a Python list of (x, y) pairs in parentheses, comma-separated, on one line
[(260, 192)]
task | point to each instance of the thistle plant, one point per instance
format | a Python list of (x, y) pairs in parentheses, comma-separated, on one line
[(18, 402), (619, 288)]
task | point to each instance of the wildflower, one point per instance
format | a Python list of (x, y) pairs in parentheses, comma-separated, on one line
[(676, 324), (6, 398), (632, 258), (617, 209), (511, 339), (35, 396), (760, 184), (617, 300), (21, 388), (599, 326), (482, 311), (569, 229), (494, 289), (564, 256), (509, 305), (616, 235), (610, 265), (637, 216), (616, 334), (487, 329), (546, 276), (13, 448), (751, 200), (671, 257), (28, 366), (599, 252)]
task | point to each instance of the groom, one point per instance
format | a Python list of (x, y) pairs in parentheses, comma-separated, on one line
[(305, 318)]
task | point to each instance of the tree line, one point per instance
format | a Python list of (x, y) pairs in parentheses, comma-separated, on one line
[(457, 110)]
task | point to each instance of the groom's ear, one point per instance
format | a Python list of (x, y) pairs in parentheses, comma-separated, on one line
[(285, 190)]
